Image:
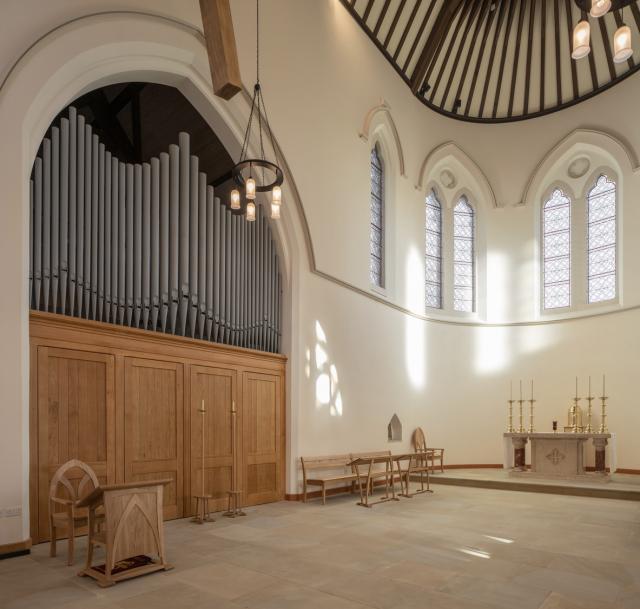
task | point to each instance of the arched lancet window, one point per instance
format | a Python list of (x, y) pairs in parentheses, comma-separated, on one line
[(376, 229), (433, 251), (556, 234), (601, 240), (463, 256)]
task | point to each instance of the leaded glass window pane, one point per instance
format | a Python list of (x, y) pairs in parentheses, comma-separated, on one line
[(601, 240), (556, 229), (463, 257), (433, 252), (376, 229)]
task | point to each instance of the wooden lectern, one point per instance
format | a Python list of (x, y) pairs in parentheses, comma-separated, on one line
[(131, 530)]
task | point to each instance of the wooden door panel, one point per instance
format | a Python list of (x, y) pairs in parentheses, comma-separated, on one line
[(76, 418), (217, 387), (262, 438), (153, 431)]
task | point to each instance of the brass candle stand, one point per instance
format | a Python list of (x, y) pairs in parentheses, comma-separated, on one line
[(532, 429), (603, 415), (203, 512), (521, 428), (576, 408), (589, 427), (510, 427)]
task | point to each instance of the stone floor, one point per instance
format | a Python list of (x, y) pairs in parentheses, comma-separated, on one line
[(460, 548)]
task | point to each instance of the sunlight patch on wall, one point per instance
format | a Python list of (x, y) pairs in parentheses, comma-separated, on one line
[(497, 287), (532, 339), (415, 329), (326, 375), (492, 352)]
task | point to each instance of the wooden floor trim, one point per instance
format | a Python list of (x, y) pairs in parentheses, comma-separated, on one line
[(11, 550)]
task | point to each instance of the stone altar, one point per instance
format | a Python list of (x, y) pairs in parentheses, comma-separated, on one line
[(558, 455)]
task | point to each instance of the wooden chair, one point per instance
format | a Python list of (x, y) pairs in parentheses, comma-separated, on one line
[(73, 517), (430, 454)]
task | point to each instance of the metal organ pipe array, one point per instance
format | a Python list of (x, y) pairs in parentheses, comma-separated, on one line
[(147, 245)]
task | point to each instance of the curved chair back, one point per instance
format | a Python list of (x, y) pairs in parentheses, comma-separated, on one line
[(62, 478), (419, 440)]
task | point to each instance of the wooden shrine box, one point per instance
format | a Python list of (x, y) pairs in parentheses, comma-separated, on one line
[(131, 532)]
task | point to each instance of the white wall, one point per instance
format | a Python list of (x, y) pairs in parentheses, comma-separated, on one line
[(321, 75)]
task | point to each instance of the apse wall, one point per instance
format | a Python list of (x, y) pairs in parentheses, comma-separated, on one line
[(364, 357), (356, 356)]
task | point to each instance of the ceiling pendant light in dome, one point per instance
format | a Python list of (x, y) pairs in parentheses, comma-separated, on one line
[(599, 8), (622, 43), (257, 174), (581, 38)]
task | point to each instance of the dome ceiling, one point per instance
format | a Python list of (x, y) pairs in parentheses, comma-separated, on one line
[(496, 60)]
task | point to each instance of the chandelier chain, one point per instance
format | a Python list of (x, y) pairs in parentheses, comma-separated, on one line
[(258, 41)]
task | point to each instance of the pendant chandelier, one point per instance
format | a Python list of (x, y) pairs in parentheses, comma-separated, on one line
[(254, 175), (622, 49)]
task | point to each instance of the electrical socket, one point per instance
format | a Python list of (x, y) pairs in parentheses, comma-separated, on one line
[(11, 512)]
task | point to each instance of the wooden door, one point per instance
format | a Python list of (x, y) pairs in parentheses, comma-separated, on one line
[(262, 438), (153, 429), (217, 387), (76, 418)]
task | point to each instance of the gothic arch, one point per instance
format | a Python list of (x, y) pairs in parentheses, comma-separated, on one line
[(593, 148), (71, 59), (379, 124), (452, 170)]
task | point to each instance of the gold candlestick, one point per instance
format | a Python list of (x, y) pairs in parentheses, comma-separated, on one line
[(590, 398), (603, 415), (520, 402), (531, 402), (521, 426), (531, 426), (510, 427)]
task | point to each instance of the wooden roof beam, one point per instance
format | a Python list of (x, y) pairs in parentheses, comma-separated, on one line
[(434, 41), (221, 47)]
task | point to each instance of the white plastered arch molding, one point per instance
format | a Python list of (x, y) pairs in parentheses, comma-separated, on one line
[(453, 170), (378, 124), (73, 58), (573, 165), (573, 160), (452, 174)]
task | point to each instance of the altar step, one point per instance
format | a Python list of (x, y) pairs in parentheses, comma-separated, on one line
[(622, 486)]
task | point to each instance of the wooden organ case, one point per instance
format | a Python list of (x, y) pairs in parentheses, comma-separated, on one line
[(126, 402)]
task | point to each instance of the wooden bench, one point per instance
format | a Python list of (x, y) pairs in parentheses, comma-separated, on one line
[(335, 468)]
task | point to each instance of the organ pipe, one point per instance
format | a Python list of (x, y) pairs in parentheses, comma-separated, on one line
[(147, 245)]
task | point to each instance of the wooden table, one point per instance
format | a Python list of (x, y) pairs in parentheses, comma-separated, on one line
[(367, 463), (131, 529)]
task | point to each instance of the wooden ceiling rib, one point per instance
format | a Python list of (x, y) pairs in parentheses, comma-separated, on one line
[(495, 60)]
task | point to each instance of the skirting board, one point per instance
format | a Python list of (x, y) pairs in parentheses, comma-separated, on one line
[(20, 548)]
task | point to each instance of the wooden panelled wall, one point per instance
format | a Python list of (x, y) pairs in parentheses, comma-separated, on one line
[(126, 402)]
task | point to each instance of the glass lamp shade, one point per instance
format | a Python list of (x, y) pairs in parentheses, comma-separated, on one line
[(622, 44), (235, 199), (251, 211), (599, 7), (276, 195), (275, 211), (250, 186), (581, 37)]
